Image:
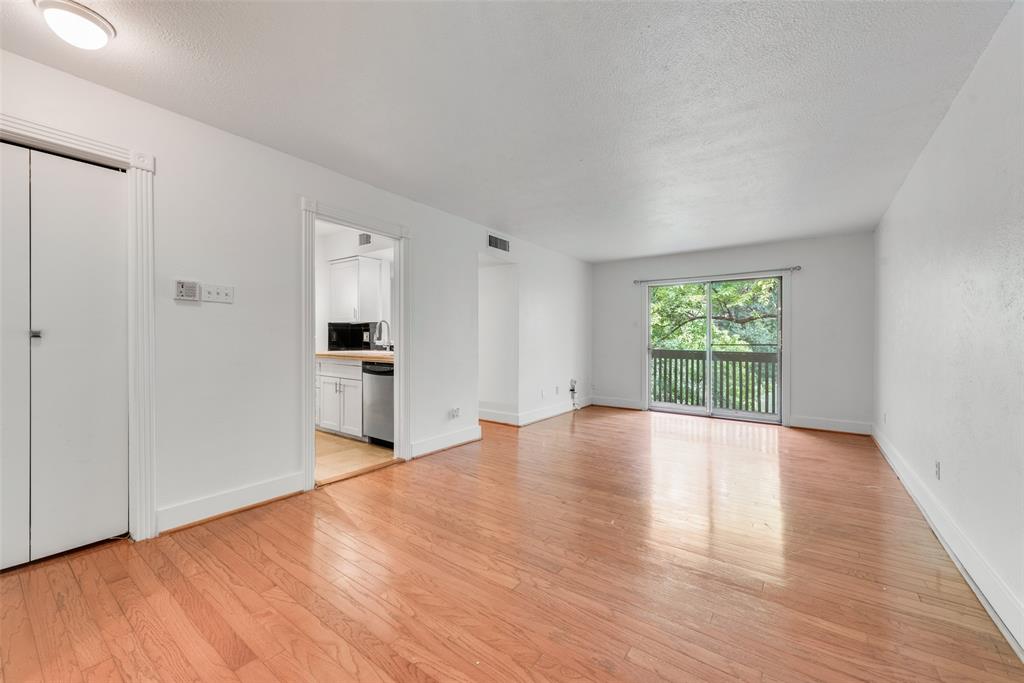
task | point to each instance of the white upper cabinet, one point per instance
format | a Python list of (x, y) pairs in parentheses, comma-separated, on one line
[(355, 290), (344, 290)]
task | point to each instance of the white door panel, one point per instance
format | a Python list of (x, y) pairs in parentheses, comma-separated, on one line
[(330, 403), (369, 290), (79, 396), (351, 418), (344, 277), (14, 356)]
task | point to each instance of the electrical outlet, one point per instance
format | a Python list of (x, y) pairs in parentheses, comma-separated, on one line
[(556, 390), (218, 294), (186, 290), (454, 413), (938, 469)]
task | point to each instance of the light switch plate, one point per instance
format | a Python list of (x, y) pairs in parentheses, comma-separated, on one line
[(219, 294), (186, 290)]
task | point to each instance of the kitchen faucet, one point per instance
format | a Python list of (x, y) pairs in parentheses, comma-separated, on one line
[(378, 338)]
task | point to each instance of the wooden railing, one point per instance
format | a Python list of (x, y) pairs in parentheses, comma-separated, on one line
[(745, 381)]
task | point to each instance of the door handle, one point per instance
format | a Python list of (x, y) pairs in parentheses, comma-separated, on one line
[(35, 334)]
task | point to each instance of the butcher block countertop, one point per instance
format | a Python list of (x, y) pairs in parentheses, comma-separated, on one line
[(374, 356)]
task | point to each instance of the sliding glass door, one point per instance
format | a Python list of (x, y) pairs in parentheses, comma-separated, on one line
[(678, 346), (714, 348)]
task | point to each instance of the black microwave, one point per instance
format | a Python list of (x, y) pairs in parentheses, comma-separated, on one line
[(349, 336)]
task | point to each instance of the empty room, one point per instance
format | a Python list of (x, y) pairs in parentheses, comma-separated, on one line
[(512, 341)]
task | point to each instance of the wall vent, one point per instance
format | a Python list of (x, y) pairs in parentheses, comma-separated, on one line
[(364, 239), (497, 243)]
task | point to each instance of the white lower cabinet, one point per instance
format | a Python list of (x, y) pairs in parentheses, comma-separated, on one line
[(351, 407), (331, 402), (339, 403)]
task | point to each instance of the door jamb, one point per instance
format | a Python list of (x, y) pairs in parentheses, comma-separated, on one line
[(141, 168), (401, 299)]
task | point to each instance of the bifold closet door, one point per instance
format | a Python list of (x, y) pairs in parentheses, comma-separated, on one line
[(79, 362), (14, 356)]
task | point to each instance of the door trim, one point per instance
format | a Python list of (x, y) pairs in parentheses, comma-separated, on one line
[(311, 210), (140, 168), (784, 353)]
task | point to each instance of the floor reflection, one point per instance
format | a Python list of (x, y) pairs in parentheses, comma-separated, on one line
[(715, 487)]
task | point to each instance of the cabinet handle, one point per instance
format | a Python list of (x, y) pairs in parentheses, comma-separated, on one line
[(355, 314)]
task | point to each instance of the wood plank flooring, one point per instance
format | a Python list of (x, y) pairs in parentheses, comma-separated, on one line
[(339, 458), (604, 545)]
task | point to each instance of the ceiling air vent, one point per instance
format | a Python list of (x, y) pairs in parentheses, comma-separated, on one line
[(364, 239), (497, 243)]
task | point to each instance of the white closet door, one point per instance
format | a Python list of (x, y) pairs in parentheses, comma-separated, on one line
[(14, 356), (79, 402)]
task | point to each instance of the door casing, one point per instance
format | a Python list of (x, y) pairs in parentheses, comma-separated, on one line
[(141, 168)]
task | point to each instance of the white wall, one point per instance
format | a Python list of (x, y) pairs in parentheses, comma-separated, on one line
[(555, 332), (499, 342), (227, 211), (950, 373), (829, 311)]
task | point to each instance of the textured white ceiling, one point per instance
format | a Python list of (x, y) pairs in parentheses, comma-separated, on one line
[(604, 130)]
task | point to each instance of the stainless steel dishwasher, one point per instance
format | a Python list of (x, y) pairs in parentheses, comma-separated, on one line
[(379, 401)]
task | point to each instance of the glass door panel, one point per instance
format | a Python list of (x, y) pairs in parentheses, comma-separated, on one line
[(745, 324), (678, 346)]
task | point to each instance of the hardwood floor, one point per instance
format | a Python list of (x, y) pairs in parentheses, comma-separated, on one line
[(606, 545), (339, 458)]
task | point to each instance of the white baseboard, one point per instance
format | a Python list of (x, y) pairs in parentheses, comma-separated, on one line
[(509, 417), (829, 424), (1005, 608), (515, 419), (615, 402), (189, 511), (499, 416), (443, 441), (538, 414)]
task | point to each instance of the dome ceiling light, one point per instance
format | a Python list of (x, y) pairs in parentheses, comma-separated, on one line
[(76, 24)]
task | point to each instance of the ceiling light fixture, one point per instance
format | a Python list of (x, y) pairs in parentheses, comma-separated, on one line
[(76, 24)]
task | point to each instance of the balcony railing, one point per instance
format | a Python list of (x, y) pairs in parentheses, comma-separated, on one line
[(743, 381)]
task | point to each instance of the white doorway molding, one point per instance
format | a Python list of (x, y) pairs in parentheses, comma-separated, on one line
[(312, 210), (140, 168)]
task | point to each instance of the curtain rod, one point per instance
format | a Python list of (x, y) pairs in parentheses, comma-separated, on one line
[(719, 276)]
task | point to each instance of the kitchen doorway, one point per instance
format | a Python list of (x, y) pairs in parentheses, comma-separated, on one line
[(715, 348), (354, 352), (353, 334)]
